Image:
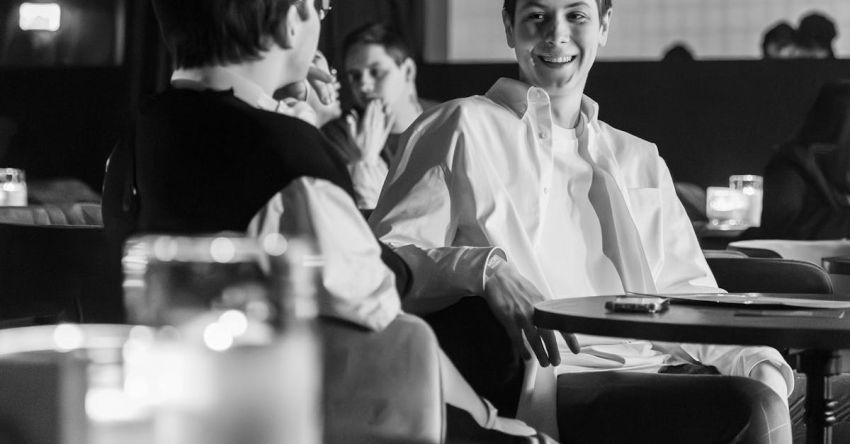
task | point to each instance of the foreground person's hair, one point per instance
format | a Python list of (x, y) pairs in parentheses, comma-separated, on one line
[(212, 32)]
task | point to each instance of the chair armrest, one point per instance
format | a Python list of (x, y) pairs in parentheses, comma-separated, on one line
[(382, 387)]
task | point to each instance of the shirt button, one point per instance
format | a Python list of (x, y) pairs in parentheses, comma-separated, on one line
[(545, 190), (542, 134)]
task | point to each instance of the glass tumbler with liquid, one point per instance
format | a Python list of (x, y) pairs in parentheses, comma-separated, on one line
[(13, 188), (752, 187)]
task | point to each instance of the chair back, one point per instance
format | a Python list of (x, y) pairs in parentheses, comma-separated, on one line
[(769, 275), (383, 387), (710, 253), (810, 251)]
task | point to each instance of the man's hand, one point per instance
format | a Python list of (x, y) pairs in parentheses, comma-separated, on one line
[(320, 90), (322, 79), (371, 130), (512, 297)]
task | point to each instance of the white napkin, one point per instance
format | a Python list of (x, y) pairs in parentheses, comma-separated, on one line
[(623, 354)]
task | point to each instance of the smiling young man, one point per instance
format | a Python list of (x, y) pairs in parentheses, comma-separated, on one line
[(500, 201)]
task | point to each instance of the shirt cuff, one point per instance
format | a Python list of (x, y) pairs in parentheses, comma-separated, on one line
[(368, 180), (773, 357), (491, 261)]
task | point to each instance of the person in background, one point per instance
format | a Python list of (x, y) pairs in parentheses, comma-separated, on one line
[(779, 42), (807, 181), (382, 77), (216, 152), (501, 201), (815, 35), (678, 52)]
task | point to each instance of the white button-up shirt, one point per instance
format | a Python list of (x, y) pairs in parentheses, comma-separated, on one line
[(474, 179), (361, 289)]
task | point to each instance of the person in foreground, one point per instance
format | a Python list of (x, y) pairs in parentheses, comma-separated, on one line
[(501, 201), (381, 74)]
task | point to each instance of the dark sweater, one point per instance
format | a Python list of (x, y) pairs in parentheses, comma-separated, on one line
[(207, 162)]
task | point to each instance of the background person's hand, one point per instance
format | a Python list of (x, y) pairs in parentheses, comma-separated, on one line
[(371, 130), (512, 297)]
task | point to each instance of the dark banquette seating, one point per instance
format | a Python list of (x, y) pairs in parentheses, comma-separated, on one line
[(55, 266)]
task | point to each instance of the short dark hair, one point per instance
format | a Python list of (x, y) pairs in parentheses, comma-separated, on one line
[(381, 34), (817, 31), (603, 5), (204, 32), (781, 34)]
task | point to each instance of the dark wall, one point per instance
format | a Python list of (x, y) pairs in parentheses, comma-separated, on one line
[(710, 119), (66, 120), (62, 121)]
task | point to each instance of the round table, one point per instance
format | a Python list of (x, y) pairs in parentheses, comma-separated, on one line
[(818, 339)]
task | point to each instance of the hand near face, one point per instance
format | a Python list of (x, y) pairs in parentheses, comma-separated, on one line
[(320, 90), (511, 297), (371, 129), (323, 81)]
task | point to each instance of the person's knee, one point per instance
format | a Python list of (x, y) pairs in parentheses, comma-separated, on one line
[(756, 412)]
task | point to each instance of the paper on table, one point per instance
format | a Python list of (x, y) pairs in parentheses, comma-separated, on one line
[(753, 299), (632, 355)]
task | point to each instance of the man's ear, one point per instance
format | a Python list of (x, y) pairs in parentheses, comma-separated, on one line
[(509, 28), (288, 27), (606, 25), (409, 68)]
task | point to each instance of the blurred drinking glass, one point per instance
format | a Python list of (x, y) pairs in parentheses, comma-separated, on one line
[(752, 187), (236, 356), (726, 208), (13, 188)]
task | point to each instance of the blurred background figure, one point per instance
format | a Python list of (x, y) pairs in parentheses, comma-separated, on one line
[(779, 42), (806, 183), (815, 36), (678, 52), (381, 75)]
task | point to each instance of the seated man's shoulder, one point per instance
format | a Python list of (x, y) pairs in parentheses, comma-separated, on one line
[(620, 140), (466, 110)]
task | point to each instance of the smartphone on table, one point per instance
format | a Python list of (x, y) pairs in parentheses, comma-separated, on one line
[(638, 304)]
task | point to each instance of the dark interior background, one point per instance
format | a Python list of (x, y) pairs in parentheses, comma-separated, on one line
[(710, 119)]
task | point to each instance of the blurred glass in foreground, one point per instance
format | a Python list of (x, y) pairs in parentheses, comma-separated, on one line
[(235, 358)]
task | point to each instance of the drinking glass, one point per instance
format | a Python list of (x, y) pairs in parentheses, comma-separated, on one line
[(13, 188), (726, 208), (236, 357), (752, 187)]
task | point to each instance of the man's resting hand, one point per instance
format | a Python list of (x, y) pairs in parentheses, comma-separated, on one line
[(511, 297)]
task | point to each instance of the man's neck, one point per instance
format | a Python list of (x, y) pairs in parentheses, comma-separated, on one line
[(269, 72), (566, 109)]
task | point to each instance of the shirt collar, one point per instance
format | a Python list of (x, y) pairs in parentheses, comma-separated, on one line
[(222, 79), (219, 78), (519, 96)]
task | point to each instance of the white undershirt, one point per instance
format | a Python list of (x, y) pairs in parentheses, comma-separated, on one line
[(571, 228)]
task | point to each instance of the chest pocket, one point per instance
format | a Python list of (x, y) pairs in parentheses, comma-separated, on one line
[(646, 213)]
